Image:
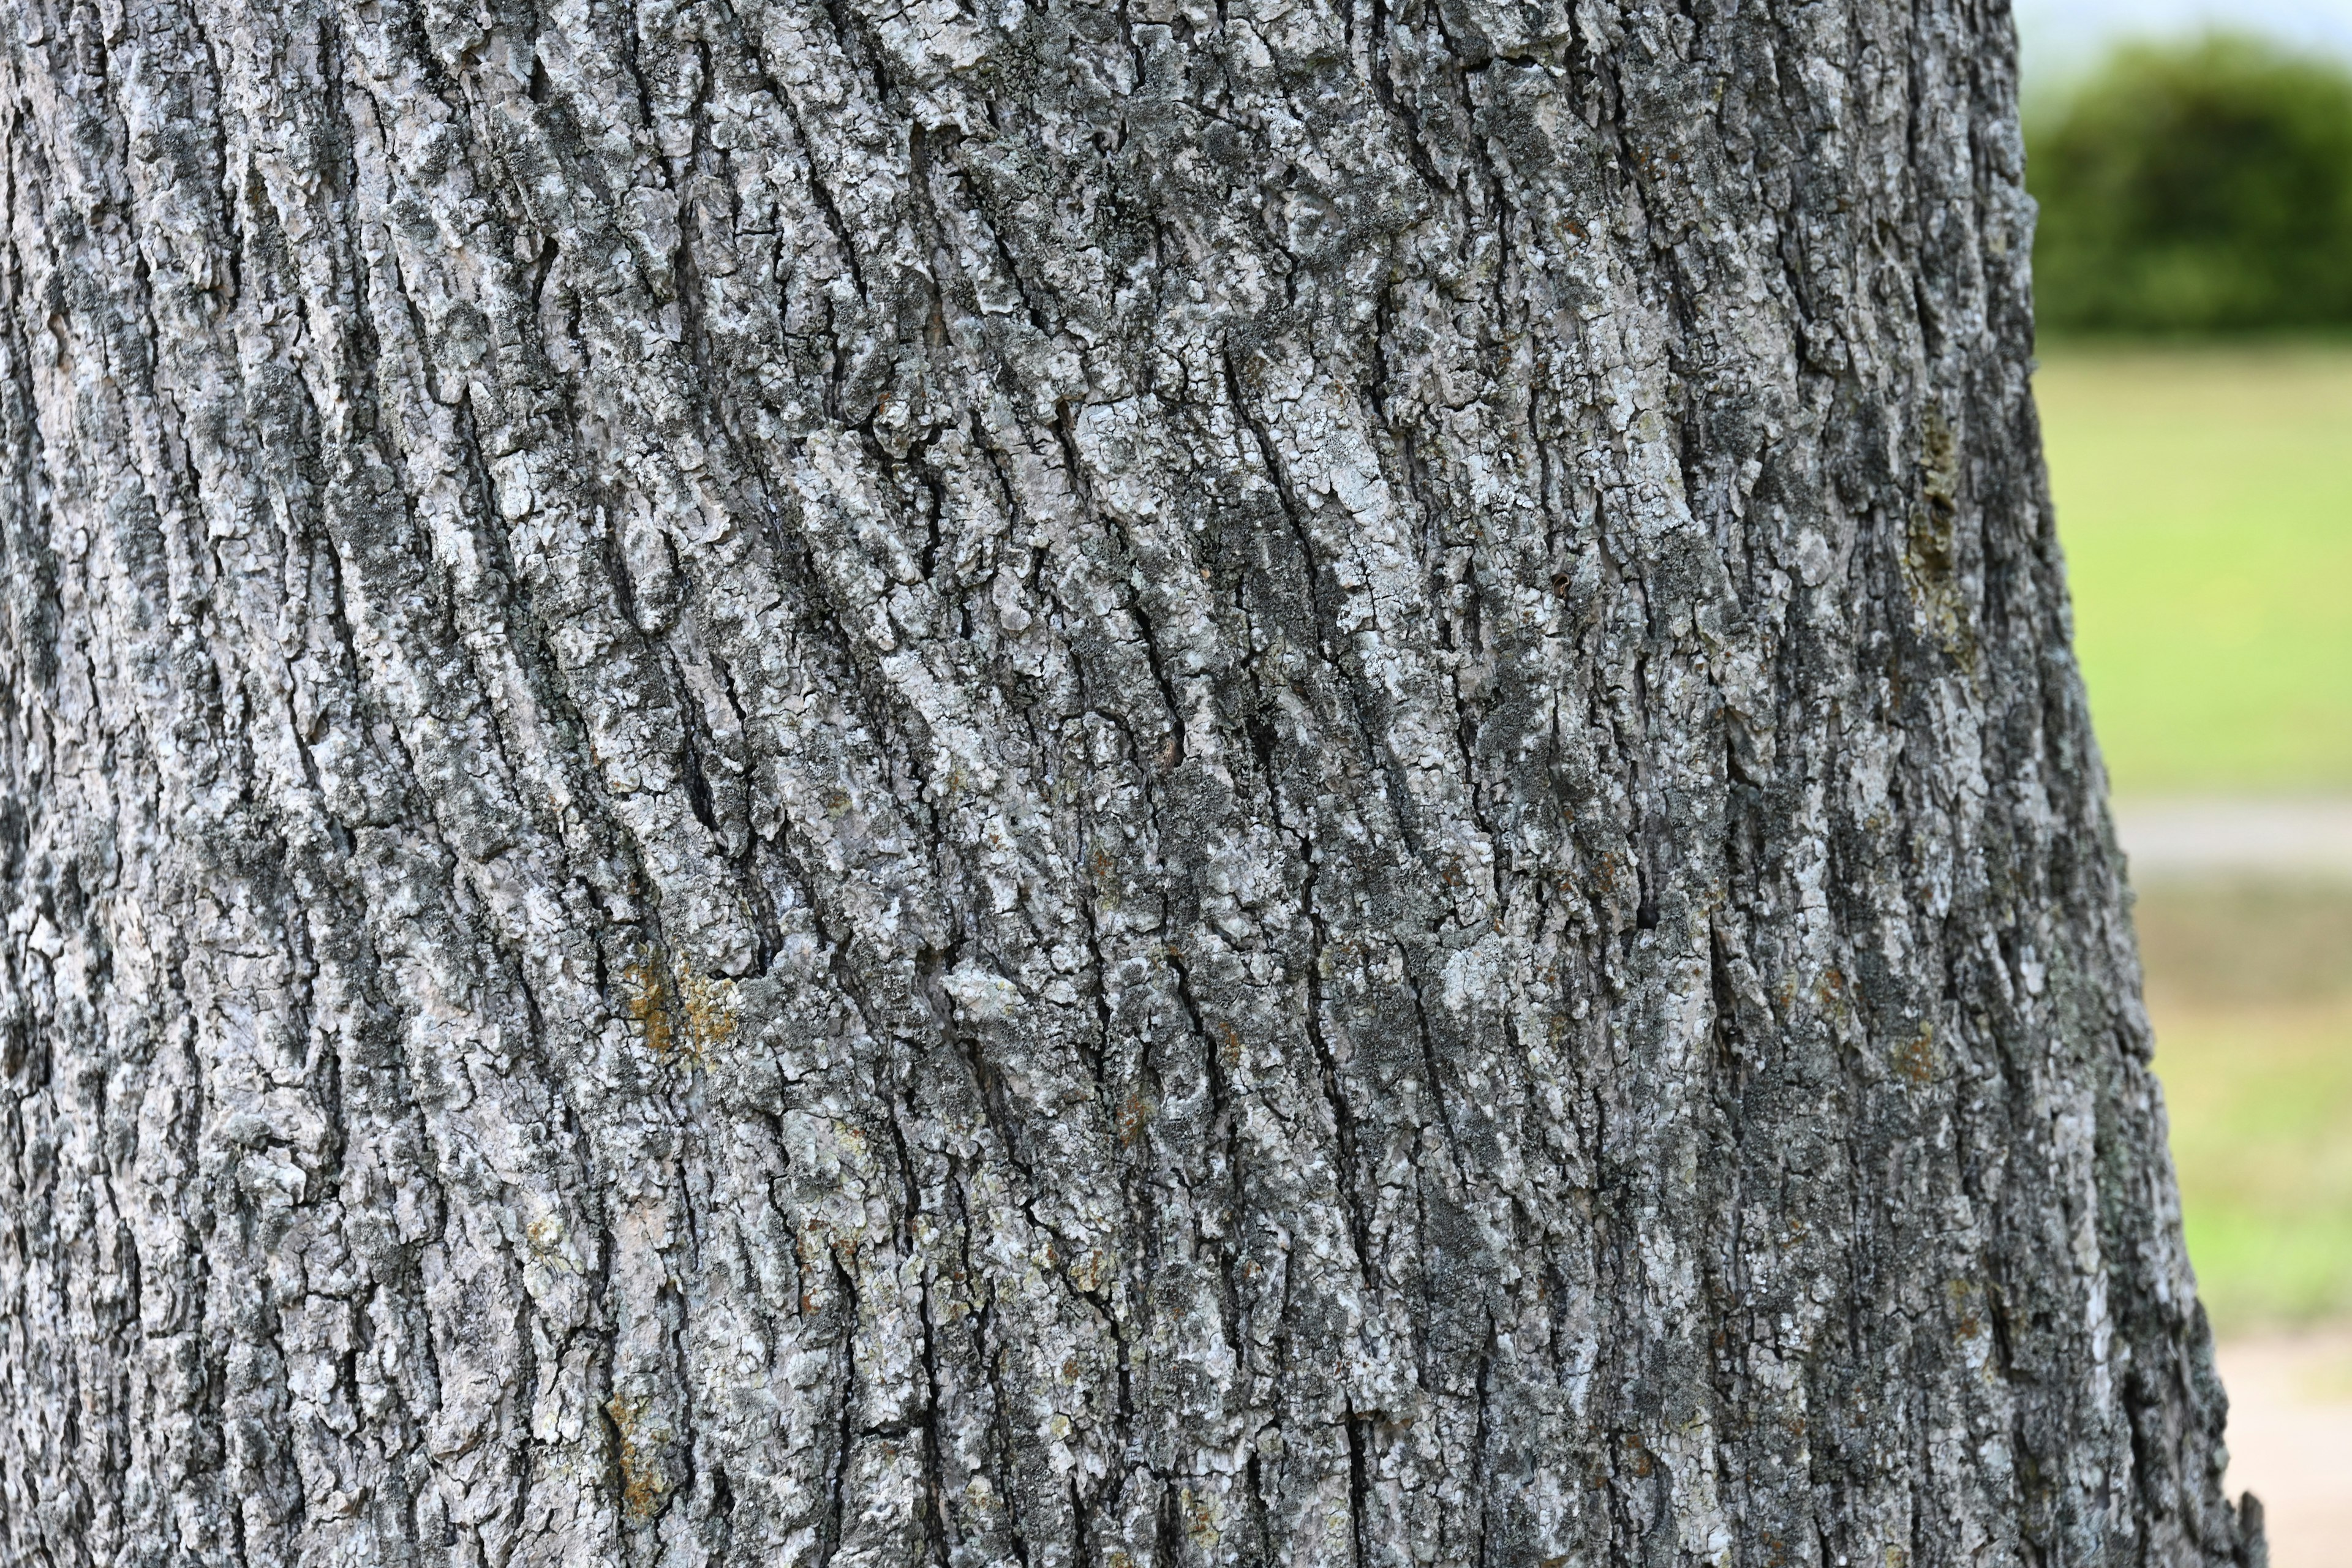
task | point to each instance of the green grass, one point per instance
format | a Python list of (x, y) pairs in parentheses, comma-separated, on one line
[(2205, 503), (2260, 1105), (2251, 990)]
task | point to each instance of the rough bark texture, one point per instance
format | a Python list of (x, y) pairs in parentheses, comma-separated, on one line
[(1032, 782)]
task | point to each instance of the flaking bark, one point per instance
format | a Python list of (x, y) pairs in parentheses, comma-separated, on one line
[(805, 782)]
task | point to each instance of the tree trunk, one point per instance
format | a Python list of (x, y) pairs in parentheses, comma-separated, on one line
[(799, 782)]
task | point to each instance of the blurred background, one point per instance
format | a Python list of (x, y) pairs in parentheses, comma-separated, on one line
[(2193, 286)]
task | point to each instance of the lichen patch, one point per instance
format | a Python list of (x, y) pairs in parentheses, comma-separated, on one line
[(679, 1012)]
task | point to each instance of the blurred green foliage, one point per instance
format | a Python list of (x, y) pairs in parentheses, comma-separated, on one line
[(2195, 186)]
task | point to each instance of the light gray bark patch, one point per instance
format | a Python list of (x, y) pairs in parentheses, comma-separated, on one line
[(1104, 786)]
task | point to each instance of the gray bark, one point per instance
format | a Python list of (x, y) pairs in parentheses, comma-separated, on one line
[(804, 781)]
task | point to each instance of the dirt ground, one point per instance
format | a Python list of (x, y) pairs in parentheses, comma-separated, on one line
[(2291, 1440)]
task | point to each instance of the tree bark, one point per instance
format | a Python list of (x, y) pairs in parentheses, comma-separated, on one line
[(812, 782)]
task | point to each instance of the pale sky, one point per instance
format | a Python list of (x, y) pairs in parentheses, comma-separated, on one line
[(2060, 35)]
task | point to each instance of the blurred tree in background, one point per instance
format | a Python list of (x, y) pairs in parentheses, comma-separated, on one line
[(2196, 185)]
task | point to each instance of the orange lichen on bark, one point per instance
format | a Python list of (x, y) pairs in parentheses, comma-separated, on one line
[(645, 997), (642, 1485), (689, 1016), (1915, 1058), (708, 1006)]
